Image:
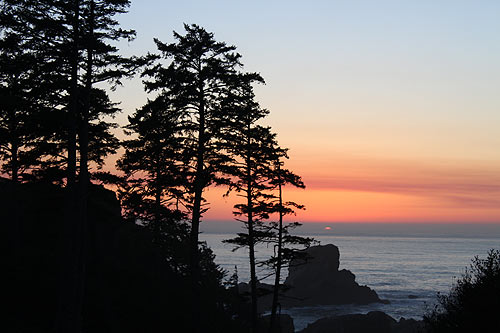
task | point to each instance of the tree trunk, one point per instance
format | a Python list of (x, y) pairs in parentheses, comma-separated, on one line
[(73, 104), (273, 327), (253, 274), (14, 259), (251, 250), (251, 236), (14, 163), (70, 305), (199, 184), (84, 130), (84, 178), (158, 191), (14, 137)]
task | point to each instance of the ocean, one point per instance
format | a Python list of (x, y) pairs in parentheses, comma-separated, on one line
[(408, 270)]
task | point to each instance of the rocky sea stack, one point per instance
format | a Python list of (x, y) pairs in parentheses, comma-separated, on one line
[(317, 280)]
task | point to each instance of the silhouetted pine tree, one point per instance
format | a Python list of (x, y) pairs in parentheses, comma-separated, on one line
[(102, 63), (253, 150), (287, 247), (24, 98), (153, 197), (17, 107), (58, 38), (260, 180), (93, 28), (200, 74), (71, 41)]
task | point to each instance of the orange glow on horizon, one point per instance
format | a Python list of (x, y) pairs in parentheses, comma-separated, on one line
[(350, 189), (385, 122), (354, 189), (356, 206)]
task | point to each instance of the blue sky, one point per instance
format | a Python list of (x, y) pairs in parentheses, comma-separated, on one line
[(361, 91)]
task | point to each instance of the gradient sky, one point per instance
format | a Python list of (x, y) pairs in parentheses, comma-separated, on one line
[(391, 109)]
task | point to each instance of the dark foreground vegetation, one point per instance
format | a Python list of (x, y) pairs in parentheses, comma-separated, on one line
[(130, 284), (473, 303), (86, 267), (136, 277)]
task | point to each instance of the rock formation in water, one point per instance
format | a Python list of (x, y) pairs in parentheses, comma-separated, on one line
[(374, 322), (317, 281)]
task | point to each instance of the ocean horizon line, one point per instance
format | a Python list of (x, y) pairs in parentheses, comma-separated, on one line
[(375, 229)]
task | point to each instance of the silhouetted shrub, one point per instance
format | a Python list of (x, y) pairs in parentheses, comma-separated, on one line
[(473, 304)]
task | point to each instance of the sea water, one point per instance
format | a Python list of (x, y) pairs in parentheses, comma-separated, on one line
[(408, 271)]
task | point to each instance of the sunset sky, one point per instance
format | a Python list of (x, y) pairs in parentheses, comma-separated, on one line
[(390, 109)]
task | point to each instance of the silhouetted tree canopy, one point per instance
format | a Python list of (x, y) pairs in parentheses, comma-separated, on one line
[(200, 128), (23, 97), (200, 73), (252, 150), (45, 47)]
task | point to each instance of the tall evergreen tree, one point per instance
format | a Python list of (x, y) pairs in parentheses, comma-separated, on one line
[(200, 74), (257, 176), (17, 107), (102, 63), (153, 197), (61, 41), (287, 247), (78, 36), (252, 148), (22, 95)]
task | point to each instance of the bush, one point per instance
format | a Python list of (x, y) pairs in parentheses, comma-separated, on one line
[(473, 304)]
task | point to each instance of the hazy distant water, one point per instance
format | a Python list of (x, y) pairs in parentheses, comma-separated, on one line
[(394, 266)]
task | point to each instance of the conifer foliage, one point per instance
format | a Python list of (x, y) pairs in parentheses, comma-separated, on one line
[(200, 128), (200, 75), (257, 177), (52, 53)]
